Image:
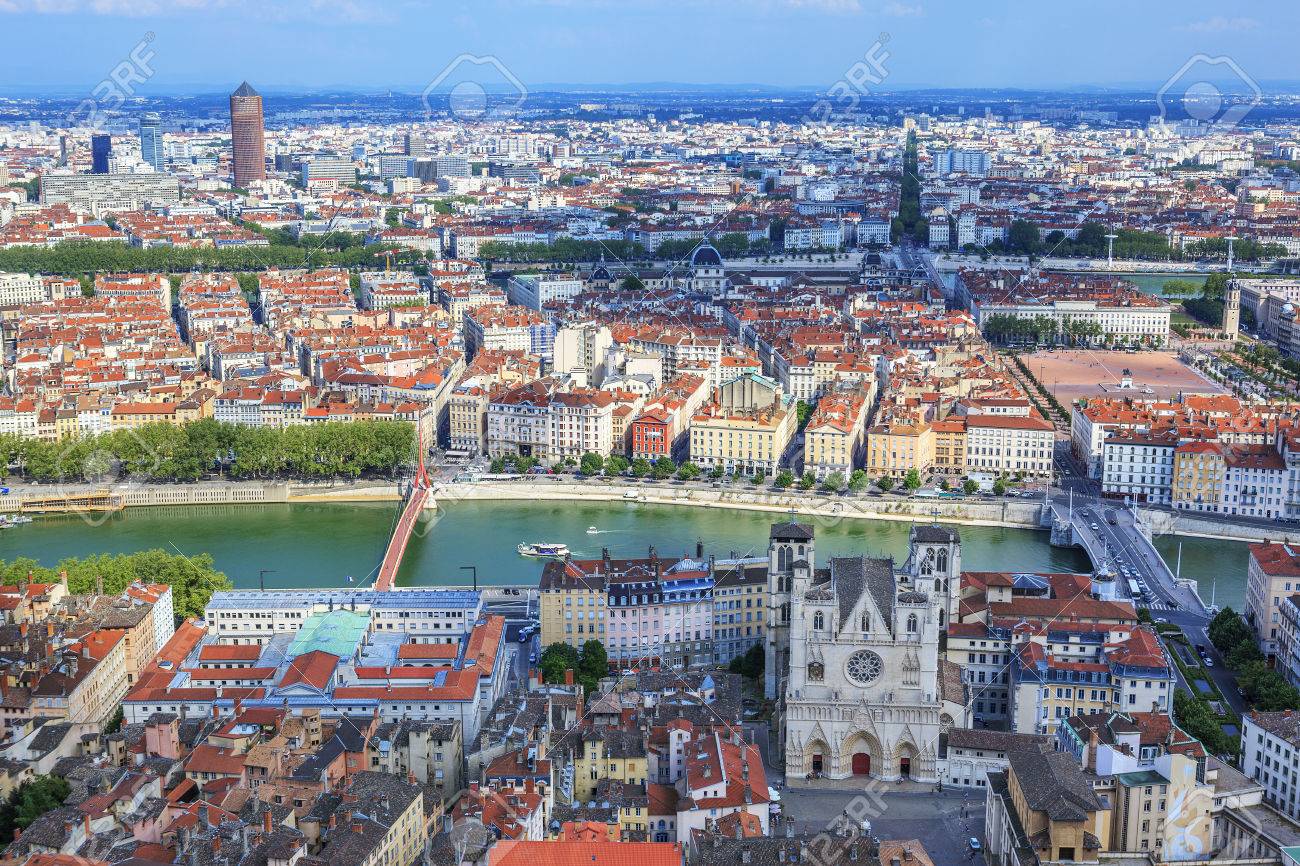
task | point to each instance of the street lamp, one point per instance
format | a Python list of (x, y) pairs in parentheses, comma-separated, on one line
[(261, 576), (473, 572)]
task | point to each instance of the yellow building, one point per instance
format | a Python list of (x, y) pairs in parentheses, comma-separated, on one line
[(745, 429), (608, 755), (1045, 803), (387, 821), (897, 445), (835, 438), (950, 446), (571, 599), (1199, 469)]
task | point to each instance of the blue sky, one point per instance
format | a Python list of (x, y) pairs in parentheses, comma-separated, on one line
[(366, 44)]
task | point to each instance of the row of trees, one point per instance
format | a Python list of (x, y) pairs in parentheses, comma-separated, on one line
[(567, 250), (74, 258), (588, 664), (1004, 328), (193, 579), (166, 452), (910, 223), (1264, 688)]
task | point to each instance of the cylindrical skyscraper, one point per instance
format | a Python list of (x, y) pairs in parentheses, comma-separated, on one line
[(249, 147)]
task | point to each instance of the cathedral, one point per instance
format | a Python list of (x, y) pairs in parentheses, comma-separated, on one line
[(853, 655)]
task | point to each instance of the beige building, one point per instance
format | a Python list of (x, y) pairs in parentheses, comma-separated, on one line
[(1199, 470), (89, 683), (899, 444), (745, 429), (1272, 576), (835, 438)]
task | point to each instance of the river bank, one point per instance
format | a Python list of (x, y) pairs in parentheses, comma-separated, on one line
[(1002, 512)]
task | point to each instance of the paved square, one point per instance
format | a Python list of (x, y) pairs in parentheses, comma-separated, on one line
[(1073, 373)]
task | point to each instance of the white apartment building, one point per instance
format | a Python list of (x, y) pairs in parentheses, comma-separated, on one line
[(1134, 321), (1255, 482), (17, 289), (581, 423), (537, 290), (1270, 754), (1009, 443), (510, 329), (1139, 467)]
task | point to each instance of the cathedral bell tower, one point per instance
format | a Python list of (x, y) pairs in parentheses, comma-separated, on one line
[(934, 566), (790, 566)]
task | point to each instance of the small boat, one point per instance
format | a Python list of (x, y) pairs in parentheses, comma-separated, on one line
[(591, 530), (544, 550)]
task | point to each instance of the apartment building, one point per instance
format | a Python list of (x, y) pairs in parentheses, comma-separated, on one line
[(1139, 467), (508, 329), (835, 437), (745, 429), (1270, 754), (1011, 444), (1272, 576), (898, 444), (537, 291), (1198, 476)]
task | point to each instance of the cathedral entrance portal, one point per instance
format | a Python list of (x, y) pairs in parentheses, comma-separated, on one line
[(905, 767), (817, 762), (861, 764)]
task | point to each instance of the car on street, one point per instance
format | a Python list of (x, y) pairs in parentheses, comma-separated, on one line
[(975, 844)]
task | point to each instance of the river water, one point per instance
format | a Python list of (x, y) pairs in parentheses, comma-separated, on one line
[(322, 545)]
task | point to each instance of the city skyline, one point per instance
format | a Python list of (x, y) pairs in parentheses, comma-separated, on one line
[(205, 47)]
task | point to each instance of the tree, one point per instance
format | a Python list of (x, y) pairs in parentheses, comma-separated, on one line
[(969, 487), (944, 485), (688, 471), (1023, 237), (556, 659), (807, 481), (834, 482), (751, 664), (640, 467), (616, 465), (32, 800), (591, 464), (858, 481), (593, 663), (663, 468), (885, 483), (999, 486), (802, 412), (758, 477), (912, 480), (783, 479), (717, 472)]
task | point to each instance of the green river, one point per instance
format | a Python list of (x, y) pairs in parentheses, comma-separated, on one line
[(323, 544)]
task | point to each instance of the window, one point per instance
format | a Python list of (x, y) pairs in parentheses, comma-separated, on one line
[(911, 623), (819, 621)]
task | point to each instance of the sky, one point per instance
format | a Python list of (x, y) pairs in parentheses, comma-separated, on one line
[(211, 45)]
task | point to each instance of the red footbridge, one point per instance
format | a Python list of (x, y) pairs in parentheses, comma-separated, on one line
[(416, 498)]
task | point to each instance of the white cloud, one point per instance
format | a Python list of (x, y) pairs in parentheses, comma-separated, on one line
[(1220, 24), (897, 9)]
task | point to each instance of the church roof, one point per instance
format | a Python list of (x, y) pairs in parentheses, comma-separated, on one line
[(934, 534), (791, 531), (851, 576)]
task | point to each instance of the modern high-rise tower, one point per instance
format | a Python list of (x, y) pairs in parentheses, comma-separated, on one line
[(101, 151), (151, 141), (246, 136)]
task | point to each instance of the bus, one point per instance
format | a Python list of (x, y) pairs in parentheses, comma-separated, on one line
[(1134, 590)]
